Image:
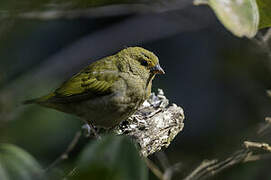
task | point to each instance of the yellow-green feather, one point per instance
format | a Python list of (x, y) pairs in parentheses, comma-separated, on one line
[(40, 100), (97, 78), (108, 90)]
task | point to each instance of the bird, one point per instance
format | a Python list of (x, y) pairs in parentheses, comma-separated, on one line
[(107, 91)]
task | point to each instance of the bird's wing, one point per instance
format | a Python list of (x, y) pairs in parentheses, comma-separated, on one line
[(90, 82)]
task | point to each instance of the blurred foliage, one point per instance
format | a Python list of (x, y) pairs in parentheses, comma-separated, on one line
[(34, 5), (265, 13), (17, 164), (111, 158), (35, 125), (241, 17)]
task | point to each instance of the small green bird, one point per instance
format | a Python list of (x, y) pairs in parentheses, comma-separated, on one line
[(108, 90)]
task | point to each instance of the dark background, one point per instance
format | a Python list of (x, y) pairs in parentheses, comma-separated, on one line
[(220, 80)]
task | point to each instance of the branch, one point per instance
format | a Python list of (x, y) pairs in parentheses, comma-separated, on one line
[(154, 125), (267, 35), (169, 170), (263, 129), (263, 146), (210, 168), (154, 169), (262, 40), (58, 12)]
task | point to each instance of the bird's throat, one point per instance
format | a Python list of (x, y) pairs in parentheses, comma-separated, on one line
[(149, 84)]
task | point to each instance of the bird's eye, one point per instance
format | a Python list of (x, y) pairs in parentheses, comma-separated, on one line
[(144, 63)]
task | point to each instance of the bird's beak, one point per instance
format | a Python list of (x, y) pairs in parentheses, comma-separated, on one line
[(157, 69)]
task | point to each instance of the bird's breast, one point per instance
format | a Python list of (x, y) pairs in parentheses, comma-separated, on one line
[(128, 93)]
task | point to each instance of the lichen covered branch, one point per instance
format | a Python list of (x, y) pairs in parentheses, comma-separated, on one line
[(155, 124)]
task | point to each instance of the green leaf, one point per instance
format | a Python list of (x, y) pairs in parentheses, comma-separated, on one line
[(111, 158), (241, 17), (16, 164), (265, 13)]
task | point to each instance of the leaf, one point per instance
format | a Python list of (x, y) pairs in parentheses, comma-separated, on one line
[(265, 13), (241, 17), (112, 158), (16, 164)]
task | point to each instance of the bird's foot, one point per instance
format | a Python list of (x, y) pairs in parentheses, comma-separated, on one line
[(88, 129)]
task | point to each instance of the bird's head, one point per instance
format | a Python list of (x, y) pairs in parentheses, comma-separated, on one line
[(145, 59)]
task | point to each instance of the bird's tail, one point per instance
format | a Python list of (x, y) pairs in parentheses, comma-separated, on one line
[(40, 100), (30, 101)]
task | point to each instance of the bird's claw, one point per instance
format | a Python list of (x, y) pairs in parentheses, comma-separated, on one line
[(89, 129), (86, 129)]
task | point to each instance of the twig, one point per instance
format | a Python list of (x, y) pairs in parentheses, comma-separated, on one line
[(267, 35), (262, 41), (65, 154), (168, 169), (263, 146), (211, 167), (163, 160), (70, 174), (262, 130), (203, 166), (154, 169), (169, 172), (257, 157), (268, 120)]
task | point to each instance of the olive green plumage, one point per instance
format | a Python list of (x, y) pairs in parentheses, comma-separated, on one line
[(108, 90)]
